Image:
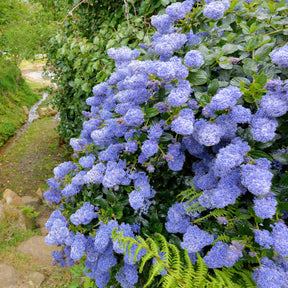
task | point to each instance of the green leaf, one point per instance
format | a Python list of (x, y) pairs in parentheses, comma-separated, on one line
[(110, 196), (261, 80), (165, 2), (151, 112), (204, 99), (263, 51), (284, 180), (237, 80), (244, 216), (256, 154), (118, 210), (166, 137), (140, 35), (226, 66), (198, 78), (103, 204), (230, 48), (283, 158), (250, 66), (283, 206), (213, 86)]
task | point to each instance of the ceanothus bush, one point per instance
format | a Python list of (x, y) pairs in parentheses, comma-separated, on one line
[(197, 112)]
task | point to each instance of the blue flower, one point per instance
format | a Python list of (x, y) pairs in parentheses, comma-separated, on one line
[(195, 239), (87, 161), (193, 59), (177, 220), (280, 238), (84, 215), (78, 246), (263, 238), (63, 169), (226, 97), (256, 179), (207, 133), (221, 255), (214, 10), (265, 207), (280, 56), (269, 275), (134, 117), (263, 128), (149, 148)]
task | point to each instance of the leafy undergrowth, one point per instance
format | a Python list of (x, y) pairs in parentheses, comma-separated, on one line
[(14, 94)]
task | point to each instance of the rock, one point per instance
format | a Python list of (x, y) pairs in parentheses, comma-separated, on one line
[(52, 113), (38, 249), (50, 108), (35, 279), (41, 221), (16, 216), (44, 231), (42, 111), (39, 193), (8, 276), (12, 198), (30, 201), (25, 110)]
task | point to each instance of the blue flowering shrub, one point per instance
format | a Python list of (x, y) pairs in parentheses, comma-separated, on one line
[(180, 174)]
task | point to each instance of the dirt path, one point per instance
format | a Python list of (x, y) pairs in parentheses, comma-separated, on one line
[(26, 162)]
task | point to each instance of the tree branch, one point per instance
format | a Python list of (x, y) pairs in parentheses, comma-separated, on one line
[(70, 12)]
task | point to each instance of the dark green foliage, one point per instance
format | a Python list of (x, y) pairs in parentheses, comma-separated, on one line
[(79, 51)]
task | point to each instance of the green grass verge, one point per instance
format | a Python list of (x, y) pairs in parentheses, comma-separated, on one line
[(14, 94)]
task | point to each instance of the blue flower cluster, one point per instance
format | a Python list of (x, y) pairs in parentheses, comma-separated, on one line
[(121, 147), (223, 254), (271, 274)]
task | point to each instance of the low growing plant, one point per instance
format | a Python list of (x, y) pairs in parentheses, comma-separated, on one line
[(179, 178)]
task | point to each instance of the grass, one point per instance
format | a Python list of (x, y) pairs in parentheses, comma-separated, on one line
[(33, 64), (11, 235), (14, 94), (30, 162)]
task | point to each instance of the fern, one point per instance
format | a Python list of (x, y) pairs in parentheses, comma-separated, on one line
[(215, 213), (223, 237), (180, 272), (188, 194)]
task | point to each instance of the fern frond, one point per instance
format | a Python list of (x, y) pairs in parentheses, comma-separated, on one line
[(188, 272), (189, 193), (225, 280), (201, 272), (164, 245), (247, 279), (215, 213), (154, 271), (180, 272), (222, 237)]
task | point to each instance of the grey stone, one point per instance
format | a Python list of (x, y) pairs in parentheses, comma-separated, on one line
[(38, 249), (44, 231), (39, 193), (12, 198), (8, 276), (30, 201), (15, 215), (35, 279), (43, 111), (25, 110)]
